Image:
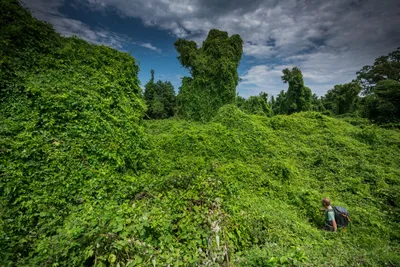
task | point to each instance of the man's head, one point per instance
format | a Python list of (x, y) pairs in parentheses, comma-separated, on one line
[(326, 202)]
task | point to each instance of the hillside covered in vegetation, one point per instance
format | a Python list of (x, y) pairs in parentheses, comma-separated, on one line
[(85, 181), (262, 180)]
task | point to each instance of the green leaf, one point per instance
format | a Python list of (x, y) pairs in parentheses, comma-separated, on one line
[(112, 258)]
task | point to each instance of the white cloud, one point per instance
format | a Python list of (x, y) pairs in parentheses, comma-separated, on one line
[(150, 46), (317, 70), (262, 78), (259, 51), (321, 70)]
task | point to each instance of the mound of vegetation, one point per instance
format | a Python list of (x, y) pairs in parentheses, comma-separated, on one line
[(69, 131), (261, 180)]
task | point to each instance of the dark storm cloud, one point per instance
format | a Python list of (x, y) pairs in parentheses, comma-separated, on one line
[(328, 40)]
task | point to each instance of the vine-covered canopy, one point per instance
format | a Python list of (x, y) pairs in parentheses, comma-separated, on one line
[(213, 67)]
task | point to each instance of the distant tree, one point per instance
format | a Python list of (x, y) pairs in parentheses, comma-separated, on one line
[(240, 102), (149, 95), (317, 104), (279, 107), (343, 98), (256, 105), (271, 102), (160, 99), (380, 83), (298, 96), (166, 95), (213, 68), (149, 88), (384, 68), (383, 104)]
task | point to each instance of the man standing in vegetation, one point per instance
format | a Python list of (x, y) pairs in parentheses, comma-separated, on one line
[(330, 222)]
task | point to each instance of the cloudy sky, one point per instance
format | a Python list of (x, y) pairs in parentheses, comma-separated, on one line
[(328, 40)]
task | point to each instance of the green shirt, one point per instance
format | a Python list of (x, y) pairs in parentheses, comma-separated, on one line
[(329, 215)]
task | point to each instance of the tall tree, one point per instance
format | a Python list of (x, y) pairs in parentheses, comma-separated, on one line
[(384, 68), (298, 96), (213, 68)]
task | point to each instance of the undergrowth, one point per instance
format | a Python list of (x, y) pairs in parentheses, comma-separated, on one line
[(269, 175)]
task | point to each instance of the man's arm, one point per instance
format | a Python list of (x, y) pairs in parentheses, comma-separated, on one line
[(334, 225)]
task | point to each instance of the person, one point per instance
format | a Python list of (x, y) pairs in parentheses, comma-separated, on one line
[(330, 222)]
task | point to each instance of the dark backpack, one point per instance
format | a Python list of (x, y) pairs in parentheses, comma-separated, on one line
[(342, 216)]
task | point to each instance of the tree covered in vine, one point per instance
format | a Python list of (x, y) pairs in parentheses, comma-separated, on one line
[(214, 76), (298, 97)]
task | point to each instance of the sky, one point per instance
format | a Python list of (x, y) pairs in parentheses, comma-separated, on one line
[(328, 40)]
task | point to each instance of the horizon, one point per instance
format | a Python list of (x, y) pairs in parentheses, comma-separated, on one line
[(329, 42)]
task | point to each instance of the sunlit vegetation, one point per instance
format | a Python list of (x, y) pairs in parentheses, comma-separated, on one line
[(92, 173)]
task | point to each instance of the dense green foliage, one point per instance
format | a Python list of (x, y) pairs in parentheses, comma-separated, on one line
[(213, 67), (298, 97), (160, 99), (19, 35), (384, 68), (84, 181), (69, 130), (278, 104), (343, 98), (255, 104), (383, 105), (317, 104), (261, 180), (381, 85)]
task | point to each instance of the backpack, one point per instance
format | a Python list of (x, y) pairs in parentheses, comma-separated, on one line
[(342, 216)]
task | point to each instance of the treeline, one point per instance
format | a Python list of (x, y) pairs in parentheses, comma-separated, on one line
[(373, 94)]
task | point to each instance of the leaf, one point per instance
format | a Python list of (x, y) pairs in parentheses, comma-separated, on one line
[(112, 258)]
